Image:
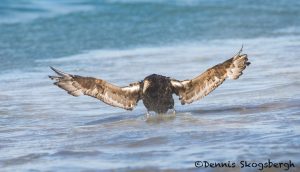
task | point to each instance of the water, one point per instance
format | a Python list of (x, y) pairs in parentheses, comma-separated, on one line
[(254, 118)]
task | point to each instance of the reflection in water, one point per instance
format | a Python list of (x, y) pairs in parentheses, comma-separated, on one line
[(158, 118)]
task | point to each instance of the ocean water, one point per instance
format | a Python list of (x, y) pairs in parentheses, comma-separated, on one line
[(254, 118)]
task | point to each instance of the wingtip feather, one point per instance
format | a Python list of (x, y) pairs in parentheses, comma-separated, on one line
[(58, 72), (239, 63)]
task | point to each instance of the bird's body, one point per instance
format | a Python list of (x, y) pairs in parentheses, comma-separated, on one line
[(157, 94), (156, 91)]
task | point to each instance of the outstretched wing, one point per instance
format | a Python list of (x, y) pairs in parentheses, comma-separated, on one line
[(123, 97), (195, 89)]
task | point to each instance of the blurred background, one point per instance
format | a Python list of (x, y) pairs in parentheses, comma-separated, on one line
[(254, 118)]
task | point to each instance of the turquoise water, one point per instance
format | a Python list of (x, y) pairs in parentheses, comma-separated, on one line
[(52, 29), (254, 118)]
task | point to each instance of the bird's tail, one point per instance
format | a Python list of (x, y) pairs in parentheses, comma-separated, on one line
[(238, 64)]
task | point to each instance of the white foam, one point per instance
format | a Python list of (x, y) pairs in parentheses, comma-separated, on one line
[(221, 49)]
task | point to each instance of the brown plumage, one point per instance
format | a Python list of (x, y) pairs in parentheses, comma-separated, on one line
[(155, 90), (123, 97)]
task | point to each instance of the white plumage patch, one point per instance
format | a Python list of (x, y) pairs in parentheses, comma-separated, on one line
[(146, 85), (132, 88)]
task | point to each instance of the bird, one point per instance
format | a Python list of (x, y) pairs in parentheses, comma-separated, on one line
[(156, 91)]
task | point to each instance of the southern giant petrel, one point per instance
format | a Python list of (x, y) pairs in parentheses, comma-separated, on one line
[(155, 90)]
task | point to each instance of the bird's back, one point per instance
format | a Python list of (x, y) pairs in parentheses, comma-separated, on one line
[(157, 93)]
